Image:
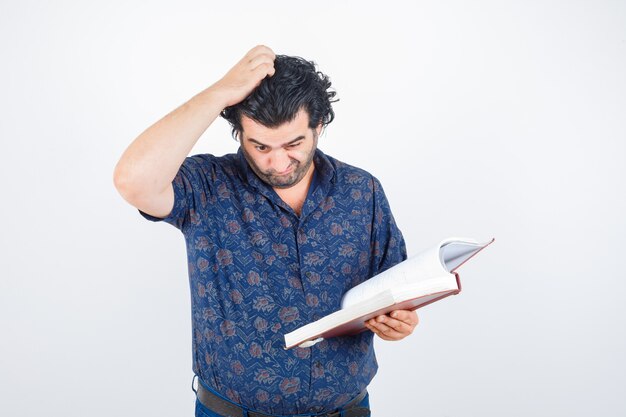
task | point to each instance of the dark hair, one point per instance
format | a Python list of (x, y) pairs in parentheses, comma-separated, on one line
[(295, 85)]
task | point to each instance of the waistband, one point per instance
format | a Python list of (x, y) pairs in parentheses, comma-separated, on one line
[(224, 407)]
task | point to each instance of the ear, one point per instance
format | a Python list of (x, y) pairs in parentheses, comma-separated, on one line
[(318, 129)]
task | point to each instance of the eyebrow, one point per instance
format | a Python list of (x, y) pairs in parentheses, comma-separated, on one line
[(299, 138)]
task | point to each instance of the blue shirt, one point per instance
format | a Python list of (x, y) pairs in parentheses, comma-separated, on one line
[(257, 271)]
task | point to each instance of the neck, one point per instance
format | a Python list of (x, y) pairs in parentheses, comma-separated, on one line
[(295, 195)]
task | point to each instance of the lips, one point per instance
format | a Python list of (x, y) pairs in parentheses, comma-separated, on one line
[(287, 172)]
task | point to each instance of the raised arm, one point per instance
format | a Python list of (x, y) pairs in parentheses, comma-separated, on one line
[(144, 173)]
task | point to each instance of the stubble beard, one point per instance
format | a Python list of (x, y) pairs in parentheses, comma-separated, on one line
[(300, 169)]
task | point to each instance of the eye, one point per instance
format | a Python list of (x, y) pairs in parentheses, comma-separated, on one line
[(261, 148), (294, 145)]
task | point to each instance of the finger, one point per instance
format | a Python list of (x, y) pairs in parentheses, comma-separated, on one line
[(407, 316), (373, 328), (259, 50), (262, 70), (389, 339), (382, 323), (397, 325), (256, 54), (400, 320), (387, 332), (260, 60)]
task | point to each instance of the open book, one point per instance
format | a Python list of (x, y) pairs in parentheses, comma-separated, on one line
[(420, 280)]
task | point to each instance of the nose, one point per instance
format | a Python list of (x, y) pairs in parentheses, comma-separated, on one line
[(280, 161)]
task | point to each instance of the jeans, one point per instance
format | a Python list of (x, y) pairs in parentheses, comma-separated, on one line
[(202, 411)]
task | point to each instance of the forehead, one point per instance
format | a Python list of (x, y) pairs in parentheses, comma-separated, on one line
[(287, 131)]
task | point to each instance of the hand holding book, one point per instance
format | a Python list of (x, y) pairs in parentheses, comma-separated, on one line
[(420, 280), (395, 326)]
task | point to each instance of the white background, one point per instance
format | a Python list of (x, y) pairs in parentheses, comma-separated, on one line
[(482, 119)]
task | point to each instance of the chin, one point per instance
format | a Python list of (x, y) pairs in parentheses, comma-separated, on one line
[(283, 186), (286, 184)]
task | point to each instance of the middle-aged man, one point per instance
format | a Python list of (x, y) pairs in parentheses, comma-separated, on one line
[(275, 235)]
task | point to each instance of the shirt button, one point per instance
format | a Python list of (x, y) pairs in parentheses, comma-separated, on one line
[(316, 316)]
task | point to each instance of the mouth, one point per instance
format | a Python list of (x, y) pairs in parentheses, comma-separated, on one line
[(286, 172)]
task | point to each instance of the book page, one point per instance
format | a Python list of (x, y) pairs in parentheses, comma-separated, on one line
[(455, 251), (439, 261), (423, 266)]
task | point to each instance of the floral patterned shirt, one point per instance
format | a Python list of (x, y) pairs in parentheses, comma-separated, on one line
[(257, 271)]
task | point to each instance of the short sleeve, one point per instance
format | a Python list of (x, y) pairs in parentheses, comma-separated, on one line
[(388, 247), (191, 189)]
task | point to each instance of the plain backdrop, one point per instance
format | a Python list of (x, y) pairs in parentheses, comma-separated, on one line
[(502, 119)]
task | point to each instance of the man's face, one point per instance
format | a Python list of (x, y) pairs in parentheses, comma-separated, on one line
[(280, 156)]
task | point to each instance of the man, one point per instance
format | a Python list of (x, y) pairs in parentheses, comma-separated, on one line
[(275, 235)]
